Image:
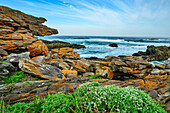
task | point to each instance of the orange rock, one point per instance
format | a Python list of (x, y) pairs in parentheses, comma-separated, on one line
[(160, 66), (38, 48), (70, 73)]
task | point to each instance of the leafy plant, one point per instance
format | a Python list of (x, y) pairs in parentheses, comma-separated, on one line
[(90, 98), (17, 77)]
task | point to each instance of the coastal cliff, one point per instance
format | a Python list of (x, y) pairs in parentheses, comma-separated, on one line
[(63, 69)]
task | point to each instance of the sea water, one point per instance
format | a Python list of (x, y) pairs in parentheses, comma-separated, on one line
[(98, 46)]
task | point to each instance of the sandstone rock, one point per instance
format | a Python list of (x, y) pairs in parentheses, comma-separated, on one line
[(105, 72), (64, 53), (38, 48), (41, 70), (113, 45), (17, 18), (70, 73)]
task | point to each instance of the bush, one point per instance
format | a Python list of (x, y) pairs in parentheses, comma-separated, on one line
[(91, 97)]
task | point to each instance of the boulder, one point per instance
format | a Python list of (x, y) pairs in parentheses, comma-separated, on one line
[(44, 71), (113, 45), (38, 48)]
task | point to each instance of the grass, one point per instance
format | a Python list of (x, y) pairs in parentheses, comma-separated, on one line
[(17, 77), (90, 98), (97, 76)]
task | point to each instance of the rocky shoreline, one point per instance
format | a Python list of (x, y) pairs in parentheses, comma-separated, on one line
[(63, 69)]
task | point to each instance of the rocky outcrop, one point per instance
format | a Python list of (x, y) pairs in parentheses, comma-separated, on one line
[(64, 53), (19, 22), (156, 86), (153, 39), (60, 44), (41, 70), (154, 53), (17, 31), (113, 45), (158, 53)]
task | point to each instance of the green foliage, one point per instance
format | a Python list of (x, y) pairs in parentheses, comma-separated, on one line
[(12, 86), (17, 77), (95, 76), (3, 62), (91, 98)]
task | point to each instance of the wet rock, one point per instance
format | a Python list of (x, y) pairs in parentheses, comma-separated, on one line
[(40, 70), (113, 45)]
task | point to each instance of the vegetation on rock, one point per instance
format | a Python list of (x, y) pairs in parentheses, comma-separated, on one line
[(90, 97)]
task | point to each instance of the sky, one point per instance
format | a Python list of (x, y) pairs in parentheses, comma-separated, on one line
[(143, 18)]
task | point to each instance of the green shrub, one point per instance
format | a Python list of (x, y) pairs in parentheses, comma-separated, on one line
[(91, 98), (95, 76), (17, 77)]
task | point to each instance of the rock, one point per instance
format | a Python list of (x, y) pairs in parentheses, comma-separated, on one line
[(153, 39), (38, 48), (87, 74), (70, 73), (6, 68), (158, 53), (17, 31), (140, 53), (14, 58), (3, 52), (17, 18), (39, 59), (65, 53), (167, 63), (60, 44), (105, 72), (113, 45), (41, 70)]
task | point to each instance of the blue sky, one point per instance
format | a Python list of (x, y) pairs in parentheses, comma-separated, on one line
[(145, 18)]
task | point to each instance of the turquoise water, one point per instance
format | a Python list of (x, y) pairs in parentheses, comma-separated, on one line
[(98, 46)]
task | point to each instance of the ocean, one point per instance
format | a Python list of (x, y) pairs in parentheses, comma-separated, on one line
[(98, 46)]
